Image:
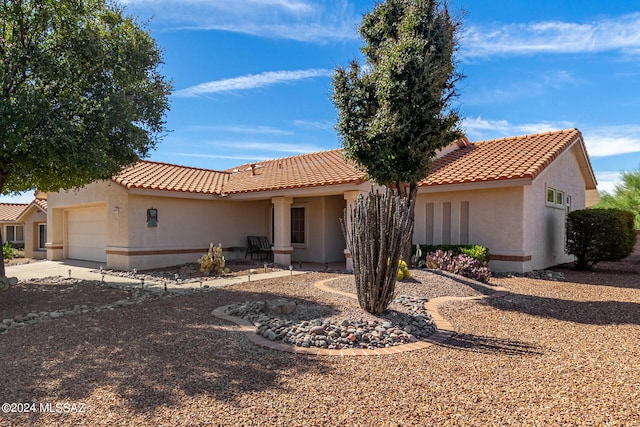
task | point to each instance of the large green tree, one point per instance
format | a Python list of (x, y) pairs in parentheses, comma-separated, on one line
[(396, 111), (81, 93), (626, 195)]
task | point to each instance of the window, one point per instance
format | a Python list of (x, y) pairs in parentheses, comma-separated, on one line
[(15, 233), (42, 236), (556, 198), (297, 225)]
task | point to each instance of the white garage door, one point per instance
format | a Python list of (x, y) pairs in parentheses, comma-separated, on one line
[(87, 231)]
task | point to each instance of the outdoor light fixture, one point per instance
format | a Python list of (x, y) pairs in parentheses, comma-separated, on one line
[(249, 276), (152, 217), (291, 270), (265, 267), (116, 209), (69, 273), (142, 283)]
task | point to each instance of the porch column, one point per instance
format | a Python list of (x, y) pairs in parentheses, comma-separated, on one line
[(55, 234), (282, 248), (350, 197)]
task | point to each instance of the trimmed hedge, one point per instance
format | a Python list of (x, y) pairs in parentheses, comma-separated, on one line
[(477, 252), (595, 235)]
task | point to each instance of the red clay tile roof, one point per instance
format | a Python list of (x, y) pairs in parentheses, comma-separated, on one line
[(501, 159), (306, 170), (11, 211), (163, 176), (42, 203)]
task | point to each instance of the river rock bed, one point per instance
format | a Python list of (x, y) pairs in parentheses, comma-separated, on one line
[(407, 321)]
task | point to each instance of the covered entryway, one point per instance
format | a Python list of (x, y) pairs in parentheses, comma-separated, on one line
[(87, 234)]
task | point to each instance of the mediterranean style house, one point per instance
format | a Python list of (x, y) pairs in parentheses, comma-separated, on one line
[(509, 194)]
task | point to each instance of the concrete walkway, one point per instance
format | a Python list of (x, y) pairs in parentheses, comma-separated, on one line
[(87, 270)]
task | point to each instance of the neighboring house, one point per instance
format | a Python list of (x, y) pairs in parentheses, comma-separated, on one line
[(12, 229), (510, 194), (25, 225), (34, 219)]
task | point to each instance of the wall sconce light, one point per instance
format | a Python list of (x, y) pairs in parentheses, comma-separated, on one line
[(152, 217), (116, 209)]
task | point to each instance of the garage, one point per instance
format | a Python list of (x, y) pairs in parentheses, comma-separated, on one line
[(87, 234)]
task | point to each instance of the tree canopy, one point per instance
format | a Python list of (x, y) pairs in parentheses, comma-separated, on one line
[(396, 111), (626, 196), (81, 93)]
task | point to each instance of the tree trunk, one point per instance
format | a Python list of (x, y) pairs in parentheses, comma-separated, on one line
[(3, 179), (2, 270), (408, 191), (378, 235)]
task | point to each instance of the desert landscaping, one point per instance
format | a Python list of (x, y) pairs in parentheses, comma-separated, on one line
[(547, 353)]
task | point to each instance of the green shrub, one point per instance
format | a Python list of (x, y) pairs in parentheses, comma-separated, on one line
[(477, 252), (595, 235), (7, 250)]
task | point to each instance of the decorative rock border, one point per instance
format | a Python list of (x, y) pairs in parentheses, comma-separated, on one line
[(444, 328)]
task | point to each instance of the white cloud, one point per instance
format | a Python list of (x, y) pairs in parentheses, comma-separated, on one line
[(607, 180), (251, 81), (267, 146), (478, 128), (309, 124), (619, 34), (601, 141), (219, 156), (264, 130), (612, 140), (302, 20)]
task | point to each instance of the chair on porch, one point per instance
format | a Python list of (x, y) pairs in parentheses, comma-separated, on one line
[(259, 245)]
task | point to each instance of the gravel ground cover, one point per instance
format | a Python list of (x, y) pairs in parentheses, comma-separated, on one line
[(425, 284), (54, 293), (549, 353)]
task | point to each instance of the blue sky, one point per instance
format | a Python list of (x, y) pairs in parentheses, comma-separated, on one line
[(252, 78)]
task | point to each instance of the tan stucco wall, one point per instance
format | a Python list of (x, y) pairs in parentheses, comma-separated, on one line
[(101, 193), (545, 225), (495, 218), (31, 223), (510, 221), (185, 228), (323, 235), (186, 225)]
